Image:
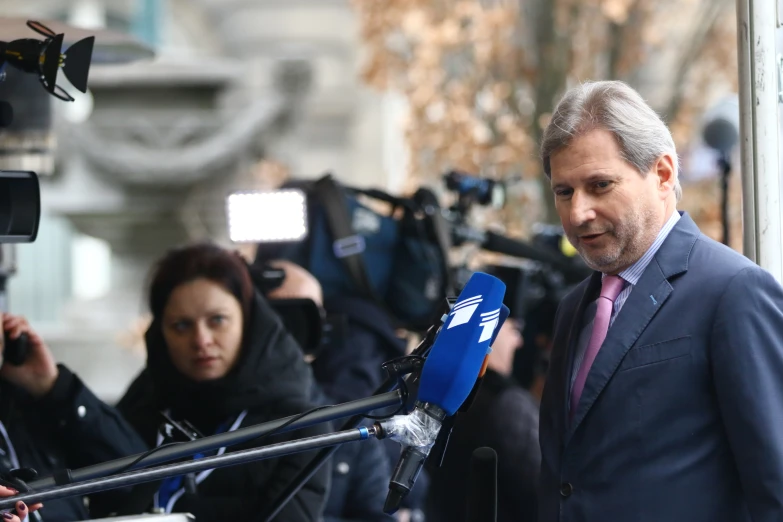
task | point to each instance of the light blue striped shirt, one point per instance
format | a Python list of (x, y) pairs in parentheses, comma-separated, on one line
[(631, 276)]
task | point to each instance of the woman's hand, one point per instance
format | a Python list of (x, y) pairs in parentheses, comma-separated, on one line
[(39, 372), (21, 509)]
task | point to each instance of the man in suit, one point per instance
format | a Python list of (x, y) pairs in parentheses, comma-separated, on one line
[(664, 399)]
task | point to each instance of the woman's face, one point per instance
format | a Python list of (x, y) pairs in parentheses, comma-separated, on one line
[(202, 326)]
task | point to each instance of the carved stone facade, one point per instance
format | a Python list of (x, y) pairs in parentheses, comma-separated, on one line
[(340, 122)]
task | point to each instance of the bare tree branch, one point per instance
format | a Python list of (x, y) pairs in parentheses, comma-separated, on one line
[(709, 12), (553, 53)]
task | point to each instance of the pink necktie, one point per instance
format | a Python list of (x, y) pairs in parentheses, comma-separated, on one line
[(610, 289)]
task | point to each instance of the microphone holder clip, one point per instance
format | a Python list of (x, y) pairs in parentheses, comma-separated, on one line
[(402, 366), (169, 430), (180, 431)]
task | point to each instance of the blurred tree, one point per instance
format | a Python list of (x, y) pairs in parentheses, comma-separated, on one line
[(481, 77)]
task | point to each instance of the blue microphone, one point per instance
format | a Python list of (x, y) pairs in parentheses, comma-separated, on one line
[(455, 362)]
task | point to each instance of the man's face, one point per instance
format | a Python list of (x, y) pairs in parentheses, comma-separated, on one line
[(610, 213)]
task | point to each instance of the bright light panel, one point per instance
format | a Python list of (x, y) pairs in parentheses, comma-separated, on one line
[(260, 217)]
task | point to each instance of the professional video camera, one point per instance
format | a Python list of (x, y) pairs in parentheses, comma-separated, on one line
[(471, 189), (20, 213), (20, 207), (395, 257), (555, 267), (302, 318)]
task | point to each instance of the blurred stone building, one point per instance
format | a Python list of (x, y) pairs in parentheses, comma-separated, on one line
[(146, 159)]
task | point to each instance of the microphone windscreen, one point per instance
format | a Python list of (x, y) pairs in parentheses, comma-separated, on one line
[(483, 486), (456, 357), (720, 135)]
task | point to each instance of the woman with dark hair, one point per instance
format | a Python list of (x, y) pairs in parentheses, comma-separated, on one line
[(219, 357)]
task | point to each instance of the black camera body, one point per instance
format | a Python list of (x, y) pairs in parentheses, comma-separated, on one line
[(20, 214), (302, 318), (20, 206)]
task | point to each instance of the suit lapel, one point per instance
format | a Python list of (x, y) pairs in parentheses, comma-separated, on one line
[(644, 301), (568, 325)]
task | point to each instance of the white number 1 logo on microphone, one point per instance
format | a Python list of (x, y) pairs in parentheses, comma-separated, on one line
[(463, 311), (489, 321)]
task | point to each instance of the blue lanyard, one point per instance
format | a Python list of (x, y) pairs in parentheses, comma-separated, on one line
[(170, 486)]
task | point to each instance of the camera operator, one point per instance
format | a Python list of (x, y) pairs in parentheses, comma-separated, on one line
[(49, 420), (361, 472)]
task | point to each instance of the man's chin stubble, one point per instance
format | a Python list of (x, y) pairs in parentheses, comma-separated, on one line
[(600, 264)]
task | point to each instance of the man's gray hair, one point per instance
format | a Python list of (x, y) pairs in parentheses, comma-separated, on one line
[(614, 106)]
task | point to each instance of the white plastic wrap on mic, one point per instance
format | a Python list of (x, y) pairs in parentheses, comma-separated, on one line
[(417, 429)]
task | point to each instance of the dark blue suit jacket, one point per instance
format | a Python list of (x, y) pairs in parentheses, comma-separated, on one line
[(681, 417)]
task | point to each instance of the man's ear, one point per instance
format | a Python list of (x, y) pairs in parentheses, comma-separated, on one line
[(665, 169)]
